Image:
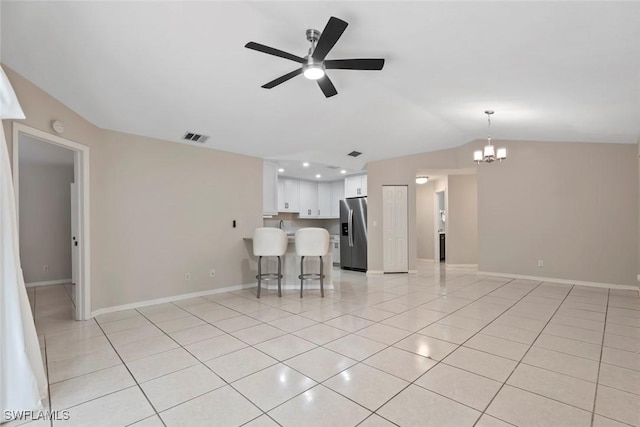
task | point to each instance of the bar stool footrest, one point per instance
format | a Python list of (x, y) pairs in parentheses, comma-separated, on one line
[(311, 276)]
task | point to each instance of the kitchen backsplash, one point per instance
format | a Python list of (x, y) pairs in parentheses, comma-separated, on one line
[(332, 225)]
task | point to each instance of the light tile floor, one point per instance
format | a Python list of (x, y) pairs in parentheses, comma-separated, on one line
[(444, 347)]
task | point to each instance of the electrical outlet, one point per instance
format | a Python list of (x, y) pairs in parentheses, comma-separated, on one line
[(540, 263), (187, 276), (212, 272), (45, 268)]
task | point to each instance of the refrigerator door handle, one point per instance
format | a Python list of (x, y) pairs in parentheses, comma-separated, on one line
[(350, 222)]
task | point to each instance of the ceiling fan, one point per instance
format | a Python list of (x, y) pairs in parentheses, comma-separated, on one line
[(314, 64)]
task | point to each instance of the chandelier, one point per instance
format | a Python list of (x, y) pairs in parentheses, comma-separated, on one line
[(489, 154)]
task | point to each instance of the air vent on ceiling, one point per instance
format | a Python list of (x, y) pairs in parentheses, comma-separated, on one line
[(195, 137), (354, 154)]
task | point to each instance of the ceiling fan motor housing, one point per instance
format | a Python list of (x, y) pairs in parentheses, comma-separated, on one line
[(313, 35)]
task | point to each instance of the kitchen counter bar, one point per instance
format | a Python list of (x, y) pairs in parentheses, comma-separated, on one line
[(291, 268)]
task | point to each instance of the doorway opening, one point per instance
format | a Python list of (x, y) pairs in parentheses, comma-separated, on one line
[(53, 212)]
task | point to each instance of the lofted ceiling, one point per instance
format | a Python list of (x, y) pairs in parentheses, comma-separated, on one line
[(552, 71)]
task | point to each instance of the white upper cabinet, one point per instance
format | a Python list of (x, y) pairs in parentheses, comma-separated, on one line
[(324, 200), (288, 195), (308, 199), (355, 186), (337, 194), (269, 189)]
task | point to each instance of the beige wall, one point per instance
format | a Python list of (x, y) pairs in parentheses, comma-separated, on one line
[(158, 209), (45, 221), (398, 171), (462, 219), (573, 205)]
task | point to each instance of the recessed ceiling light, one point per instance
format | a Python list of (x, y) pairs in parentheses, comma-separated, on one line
[(343, 171), (305, 164), (280, 170), (318, 176)]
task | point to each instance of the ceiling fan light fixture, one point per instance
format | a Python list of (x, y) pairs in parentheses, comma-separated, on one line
[(313, 71)]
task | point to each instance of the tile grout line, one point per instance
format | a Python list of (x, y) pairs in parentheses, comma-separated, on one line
[(460, 345), (595, 394), (317, 383), (203, 363), (523, 356), (133, 377), (348, 311), (410, 333), (437, 362)]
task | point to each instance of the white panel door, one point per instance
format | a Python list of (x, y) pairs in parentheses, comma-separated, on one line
[(394, 229)]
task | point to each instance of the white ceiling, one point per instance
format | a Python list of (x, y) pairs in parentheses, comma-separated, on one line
[(555, 71)]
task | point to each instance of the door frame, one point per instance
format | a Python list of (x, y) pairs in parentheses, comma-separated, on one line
[(81, 176), (436, 222)]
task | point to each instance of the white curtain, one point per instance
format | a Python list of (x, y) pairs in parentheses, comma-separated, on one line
[(23, 384)]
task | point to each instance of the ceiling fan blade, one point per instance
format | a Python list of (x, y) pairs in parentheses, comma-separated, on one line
[(354, 64), (282, 79), (273, 51), (330, 35), (327, 87)]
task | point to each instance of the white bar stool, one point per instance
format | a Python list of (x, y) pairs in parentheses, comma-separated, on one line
[(312, 242), (269, 242)]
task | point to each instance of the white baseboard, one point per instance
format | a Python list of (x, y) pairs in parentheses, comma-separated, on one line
[(48, 282), (462, 265), (169, 299), (147, 303), (426, 260), (561, 281), (374, 272)]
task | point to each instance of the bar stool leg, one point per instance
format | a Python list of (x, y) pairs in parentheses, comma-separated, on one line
[(301, 274), (279, 277), (259, 275), (321, 278)]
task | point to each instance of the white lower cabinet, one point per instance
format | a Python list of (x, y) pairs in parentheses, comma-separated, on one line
[(335, 251)]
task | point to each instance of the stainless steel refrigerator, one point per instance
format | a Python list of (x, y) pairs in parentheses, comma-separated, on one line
[(353, 234)]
